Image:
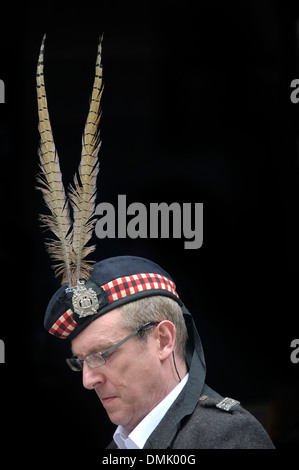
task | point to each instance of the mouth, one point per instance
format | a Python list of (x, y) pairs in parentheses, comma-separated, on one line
[(106, 401)]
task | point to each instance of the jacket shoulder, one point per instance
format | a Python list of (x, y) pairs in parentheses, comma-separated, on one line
[(222, 423)]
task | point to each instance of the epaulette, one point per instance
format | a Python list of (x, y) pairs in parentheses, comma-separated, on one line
[(225, 404)]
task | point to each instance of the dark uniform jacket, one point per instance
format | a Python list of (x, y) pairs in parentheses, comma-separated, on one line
[(199, 419), (208, 427)]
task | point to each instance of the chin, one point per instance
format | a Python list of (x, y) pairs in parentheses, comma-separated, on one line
[(125, 421)]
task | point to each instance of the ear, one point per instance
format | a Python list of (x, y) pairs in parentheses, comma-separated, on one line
[(165, 335)]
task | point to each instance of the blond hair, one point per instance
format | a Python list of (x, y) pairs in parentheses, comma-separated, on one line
[(156, 308)]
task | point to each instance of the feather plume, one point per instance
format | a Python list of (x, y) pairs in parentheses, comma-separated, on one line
[(82, 196), (70, 248), (50, 179)]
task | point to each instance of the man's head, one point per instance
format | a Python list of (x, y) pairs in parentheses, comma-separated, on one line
[(141, 372), (121, 295)]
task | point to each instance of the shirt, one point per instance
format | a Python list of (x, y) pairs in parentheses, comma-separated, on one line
[(138, 437)]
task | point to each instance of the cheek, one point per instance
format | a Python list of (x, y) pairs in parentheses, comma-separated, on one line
[(138, 375), (134, 370), (135, 380)]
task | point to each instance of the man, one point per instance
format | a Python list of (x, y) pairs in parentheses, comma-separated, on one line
[(127, 325), (138, 348)]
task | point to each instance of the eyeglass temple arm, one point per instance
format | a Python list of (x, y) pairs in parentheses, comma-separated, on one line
[(116, 346)]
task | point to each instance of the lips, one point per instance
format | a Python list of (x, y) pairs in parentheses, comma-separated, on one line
[(107, 400)]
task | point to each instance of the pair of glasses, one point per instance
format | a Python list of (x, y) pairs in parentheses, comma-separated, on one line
[(98, 359)]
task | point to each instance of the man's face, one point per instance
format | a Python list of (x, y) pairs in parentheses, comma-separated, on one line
[(130, 384)]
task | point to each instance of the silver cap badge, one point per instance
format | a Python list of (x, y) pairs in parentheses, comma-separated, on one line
[(85, 301)]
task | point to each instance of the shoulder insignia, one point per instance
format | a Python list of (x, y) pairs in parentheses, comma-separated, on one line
[(227, 403)]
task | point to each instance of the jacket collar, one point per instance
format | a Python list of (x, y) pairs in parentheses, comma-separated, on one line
[(165, 433)]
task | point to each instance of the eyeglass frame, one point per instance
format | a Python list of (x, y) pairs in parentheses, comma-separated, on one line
[(109, 351)]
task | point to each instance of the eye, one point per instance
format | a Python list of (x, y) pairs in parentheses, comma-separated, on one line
[(95, 359), (107, 354)]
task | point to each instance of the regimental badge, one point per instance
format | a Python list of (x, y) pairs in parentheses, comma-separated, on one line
[(85, 301)]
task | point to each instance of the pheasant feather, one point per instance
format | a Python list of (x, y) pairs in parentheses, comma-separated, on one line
[(83, 194), (59, 221), (70, 248)]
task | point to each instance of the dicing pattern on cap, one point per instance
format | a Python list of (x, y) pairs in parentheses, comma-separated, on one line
[(128, 285), (64, 325)]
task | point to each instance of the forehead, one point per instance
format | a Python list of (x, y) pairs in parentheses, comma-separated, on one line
[(99, 334)]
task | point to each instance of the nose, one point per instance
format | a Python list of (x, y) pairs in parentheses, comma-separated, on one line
[(92, 377)]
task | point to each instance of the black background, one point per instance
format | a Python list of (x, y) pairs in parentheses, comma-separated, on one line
[(196, 108)]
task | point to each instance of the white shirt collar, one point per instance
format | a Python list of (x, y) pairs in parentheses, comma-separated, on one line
[(138, 437)]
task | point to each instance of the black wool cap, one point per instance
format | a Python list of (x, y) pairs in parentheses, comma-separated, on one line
[(113, 282)]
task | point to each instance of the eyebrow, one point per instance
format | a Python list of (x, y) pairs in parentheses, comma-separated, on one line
[(100, 347)]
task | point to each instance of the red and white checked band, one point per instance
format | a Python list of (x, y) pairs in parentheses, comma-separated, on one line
[(64, 325), (117, 289), (128, 285)]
